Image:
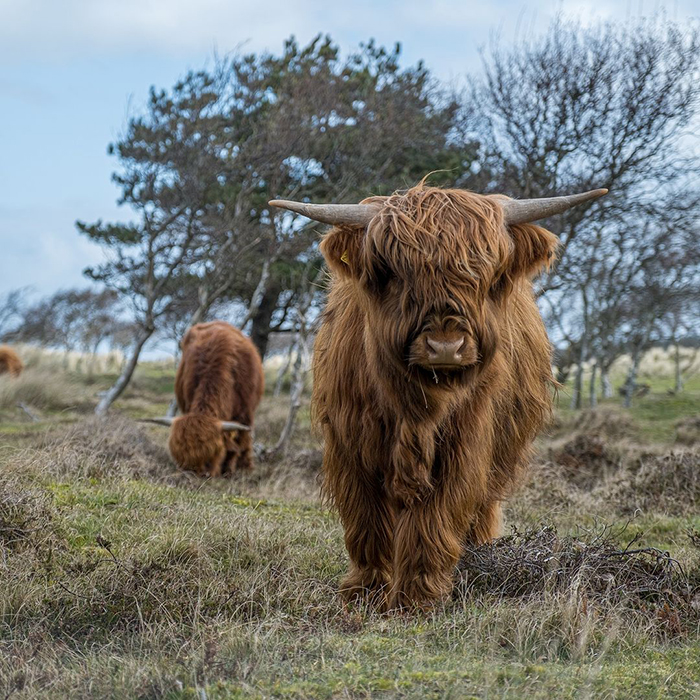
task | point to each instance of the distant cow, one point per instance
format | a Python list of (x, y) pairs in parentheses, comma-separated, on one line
[(432, 376), (10, 362), (218, 386)]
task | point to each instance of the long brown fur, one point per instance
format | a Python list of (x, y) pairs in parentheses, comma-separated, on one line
[(417, 461), (220, 377), (10, 362)]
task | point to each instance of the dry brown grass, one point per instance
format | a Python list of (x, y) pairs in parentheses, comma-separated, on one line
[(666, 483), (609, 422), (99, 448), (26, 516), (688, 431), (43, 391)]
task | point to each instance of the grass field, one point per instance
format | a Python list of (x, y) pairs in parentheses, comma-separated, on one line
[(122, 577)]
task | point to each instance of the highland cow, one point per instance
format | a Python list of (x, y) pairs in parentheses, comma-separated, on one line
[(10, 362), (432, 377), (218, 387)]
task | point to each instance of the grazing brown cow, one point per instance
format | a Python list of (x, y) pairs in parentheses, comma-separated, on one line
[(432, 377), (218, 386), (10, 362)]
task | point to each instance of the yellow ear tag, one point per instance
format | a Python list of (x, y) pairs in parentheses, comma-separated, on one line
[(344, 258)]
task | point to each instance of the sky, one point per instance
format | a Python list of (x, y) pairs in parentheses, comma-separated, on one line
[(73, 71)]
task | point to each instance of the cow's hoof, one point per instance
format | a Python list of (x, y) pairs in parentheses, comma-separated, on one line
[(366, 588)]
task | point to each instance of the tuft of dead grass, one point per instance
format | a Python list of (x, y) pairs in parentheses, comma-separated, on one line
[(688, 431), (585, 460), (108, 447), (605, 422), (118, 448), (43, 390), (26, 516), (667, 483)]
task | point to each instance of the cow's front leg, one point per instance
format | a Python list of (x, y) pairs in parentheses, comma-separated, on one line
[(427, 547), (368, 539), (412, 459), (367, 519), (487, 524)]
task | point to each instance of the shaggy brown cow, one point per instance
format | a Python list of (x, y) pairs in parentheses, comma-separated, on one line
[(432, 377), (218, 387), (10, 362)]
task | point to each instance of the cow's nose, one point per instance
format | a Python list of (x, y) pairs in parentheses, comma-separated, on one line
[(445, 352)]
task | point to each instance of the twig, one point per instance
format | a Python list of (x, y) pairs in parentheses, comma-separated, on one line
[(24, 407)]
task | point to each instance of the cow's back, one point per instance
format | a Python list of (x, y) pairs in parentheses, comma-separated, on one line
[(10, 362), (220, 373)]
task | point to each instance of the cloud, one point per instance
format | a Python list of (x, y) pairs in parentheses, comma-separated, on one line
[(31, 28)]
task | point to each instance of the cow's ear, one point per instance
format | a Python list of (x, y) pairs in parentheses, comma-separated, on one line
[(534, 248), (342, 249)]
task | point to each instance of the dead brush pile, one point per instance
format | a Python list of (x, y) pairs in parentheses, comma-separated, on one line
[(595, 574)]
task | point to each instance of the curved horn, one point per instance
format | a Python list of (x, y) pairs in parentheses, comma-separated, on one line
[(334, 214), (158, 421), (523, 211), (229, 426)]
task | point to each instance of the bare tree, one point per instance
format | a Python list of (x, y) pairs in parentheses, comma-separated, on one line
[(12, 307), (607, 105)]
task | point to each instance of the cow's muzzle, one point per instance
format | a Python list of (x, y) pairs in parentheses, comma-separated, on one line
[(444, 351)]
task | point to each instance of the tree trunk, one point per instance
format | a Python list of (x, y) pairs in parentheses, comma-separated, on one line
[(127, 373), (592, 387), (577, 395), (284, 368), (679, 373), (631, 381), (260, 329), (301, 368), (259, 293), (605, 383)]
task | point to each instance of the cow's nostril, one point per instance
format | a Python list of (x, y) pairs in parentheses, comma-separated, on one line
[(442, 351)]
